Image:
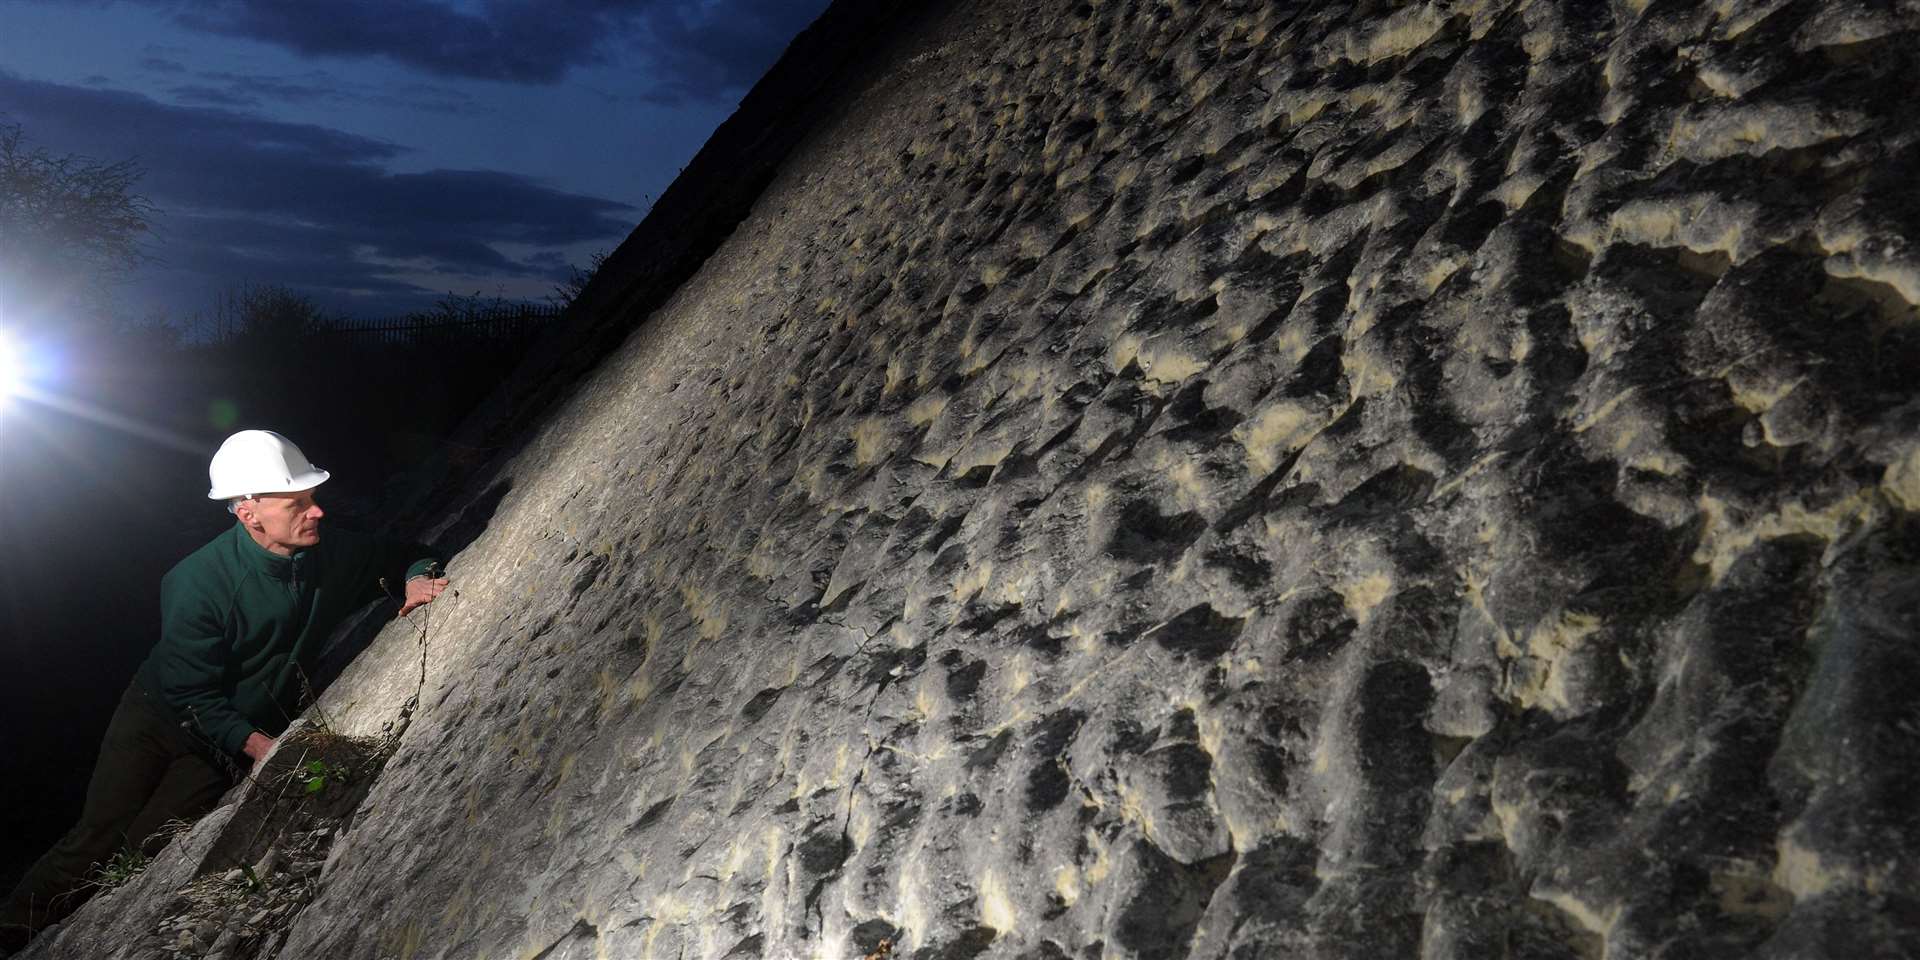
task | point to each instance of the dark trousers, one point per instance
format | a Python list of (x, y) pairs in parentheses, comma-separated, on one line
[(149, 772)]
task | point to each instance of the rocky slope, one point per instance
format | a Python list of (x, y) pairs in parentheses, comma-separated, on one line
[(1227, 479)]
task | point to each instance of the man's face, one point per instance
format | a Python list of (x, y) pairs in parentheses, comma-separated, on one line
[(282, 522)]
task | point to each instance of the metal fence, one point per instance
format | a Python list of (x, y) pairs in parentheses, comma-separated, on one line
[(490, 323)]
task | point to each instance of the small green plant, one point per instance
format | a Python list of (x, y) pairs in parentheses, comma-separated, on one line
[(118, 869), (319, 773)]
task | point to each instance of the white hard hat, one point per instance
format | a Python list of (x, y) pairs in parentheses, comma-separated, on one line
[(260, 461)]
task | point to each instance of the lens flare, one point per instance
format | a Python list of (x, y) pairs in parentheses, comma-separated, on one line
[(12, 368), (24, 378)]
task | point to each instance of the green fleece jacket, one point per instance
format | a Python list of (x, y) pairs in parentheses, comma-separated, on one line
[(239, 625)]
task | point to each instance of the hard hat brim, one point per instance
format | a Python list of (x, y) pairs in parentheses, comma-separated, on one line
[(294, 484)]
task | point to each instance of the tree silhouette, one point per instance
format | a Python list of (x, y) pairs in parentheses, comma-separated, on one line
[(69, 225), (268, 314)]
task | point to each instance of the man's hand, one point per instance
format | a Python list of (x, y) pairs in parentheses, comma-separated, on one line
[(420, 592), (257, 747)]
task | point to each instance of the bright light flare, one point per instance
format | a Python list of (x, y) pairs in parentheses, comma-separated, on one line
[(13, 367), (24, 376)]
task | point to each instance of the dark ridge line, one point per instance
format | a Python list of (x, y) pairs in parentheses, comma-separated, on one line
[(827, 65)]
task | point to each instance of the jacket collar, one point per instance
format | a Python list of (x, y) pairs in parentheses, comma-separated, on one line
[(258, 558)]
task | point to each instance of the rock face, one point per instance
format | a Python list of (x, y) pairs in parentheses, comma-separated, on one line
[(1225, 480)]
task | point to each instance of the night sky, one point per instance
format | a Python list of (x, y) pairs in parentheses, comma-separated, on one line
[(378, 154)]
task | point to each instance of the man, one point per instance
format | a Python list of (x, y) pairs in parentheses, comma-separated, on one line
[(242, 622)]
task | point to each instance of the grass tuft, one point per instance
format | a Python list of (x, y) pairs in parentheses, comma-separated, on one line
[(118, 869)]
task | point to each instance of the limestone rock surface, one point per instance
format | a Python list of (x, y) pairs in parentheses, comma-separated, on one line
[(1226, 480)]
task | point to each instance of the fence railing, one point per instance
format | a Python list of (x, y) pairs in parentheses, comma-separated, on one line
[(490, 323)]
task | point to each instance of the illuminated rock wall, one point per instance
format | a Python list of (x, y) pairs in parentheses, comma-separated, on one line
[(1221, 479)]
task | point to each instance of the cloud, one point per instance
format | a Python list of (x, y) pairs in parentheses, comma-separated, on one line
[(211, 96), (260, 86), (230, 88), (520, 42), (244, 198), (554, 263), (429, 97), (694, 49), (162, 65)]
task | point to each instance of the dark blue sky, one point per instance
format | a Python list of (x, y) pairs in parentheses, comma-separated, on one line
[(377, 154)]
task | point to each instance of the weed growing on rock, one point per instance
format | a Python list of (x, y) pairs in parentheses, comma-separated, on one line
[(319, 773), (322, 762), (132, 860), (123, 866)]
